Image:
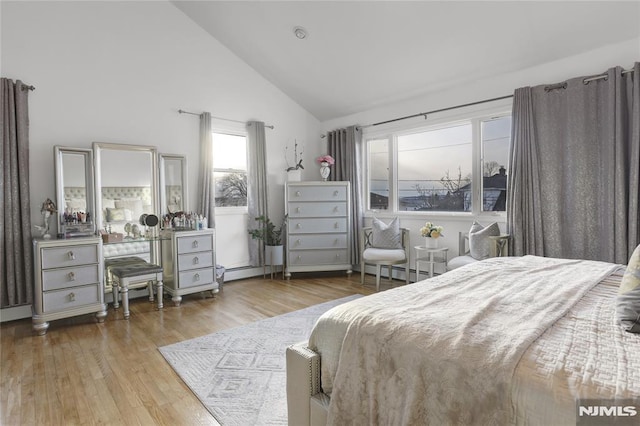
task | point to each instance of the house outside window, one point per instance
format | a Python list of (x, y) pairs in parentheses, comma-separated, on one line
[(455, 166)]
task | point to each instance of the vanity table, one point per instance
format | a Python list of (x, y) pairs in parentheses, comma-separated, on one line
[(68, 280), (116, 185)]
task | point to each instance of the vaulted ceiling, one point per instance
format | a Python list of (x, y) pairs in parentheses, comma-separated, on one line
[(362, 54)]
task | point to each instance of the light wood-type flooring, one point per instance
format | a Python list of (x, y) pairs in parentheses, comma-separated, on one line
[(85, 373)]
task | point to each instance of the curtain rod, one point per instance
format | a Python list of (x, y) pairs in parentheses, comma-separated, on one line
[(181, 111), (424, 114), (28, 87), (605, 76)]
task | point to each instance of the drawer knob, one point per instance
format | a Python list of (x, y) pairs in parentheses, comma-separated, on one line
[(72, 276), (196, 260), (335, 225), (71, 255), (297, 193), (336, 209), (299, 257), (335, 241), (196, 277), (298, 226), (335, 193), (297, 209), (298, 241), (72, 297), (337, 256), (195, 244)]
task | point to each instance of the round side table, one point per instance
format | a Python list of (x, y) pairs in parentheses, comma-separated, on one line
[(430, 257)]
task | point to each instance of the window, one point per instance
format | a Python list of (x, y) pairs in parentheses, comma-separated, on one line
[(456, 166), (434, 169), (496, 137), (230, 169), (378, 174)]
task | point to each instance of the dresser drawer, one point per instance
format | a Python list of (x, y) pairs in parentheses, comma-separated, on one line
[(54, 279), (194, 243), (318, 257), (316, 193), (195, 260), (319, 225), (325, 241), (60, 257), (196, 277), (59, 300), (324, 209)]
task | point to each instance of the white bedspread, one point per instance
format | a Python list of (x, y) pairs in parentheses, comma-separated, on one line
[(444, 350), (585, 354)]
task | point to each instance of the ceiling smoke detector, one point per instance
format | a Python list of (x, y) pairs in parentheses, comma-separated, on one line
[(300, 33)]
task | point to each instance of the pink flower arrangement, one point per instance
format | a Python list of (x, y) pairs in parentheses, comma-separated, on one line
[(326, 159)]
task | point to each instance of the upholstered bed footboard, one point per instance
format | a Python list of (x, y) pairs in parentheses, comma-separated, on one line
[(306, 404)]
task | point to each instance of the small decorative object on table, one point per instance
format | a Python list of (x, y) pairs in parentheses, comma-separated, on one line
[(431, 233), (325, 161), (47, 210)]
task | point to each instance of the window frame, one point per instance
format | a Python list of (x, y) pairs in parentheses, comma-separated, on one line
[(473, 115)]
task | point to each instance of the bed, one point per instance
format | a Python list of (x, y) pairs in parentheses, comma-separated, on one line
[(503, 341)]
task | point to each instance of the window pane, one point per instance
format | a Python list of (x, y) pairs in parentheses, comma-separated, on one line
[(231, 189), (378, 174), (496, 136), (434, 170), (229, 152)]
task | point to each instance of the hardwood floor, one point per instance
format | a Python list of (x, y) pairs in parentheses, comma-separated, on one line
[(82, 372)]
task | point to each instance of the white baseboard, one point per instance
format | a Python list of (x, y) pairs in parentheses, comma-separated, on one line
[(15, 313)]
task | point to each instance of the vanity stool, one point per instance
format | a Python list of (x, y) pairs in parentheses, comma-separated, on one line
[(121, 261), (125, 274)]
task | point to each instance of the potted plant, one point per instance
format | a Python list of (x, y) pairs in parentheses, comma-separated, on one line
[(272, 239)]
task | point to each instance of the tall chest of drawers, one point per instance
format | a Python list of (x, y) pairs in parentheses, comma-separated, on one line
[(68, 280), (189, 263), (318, 226)]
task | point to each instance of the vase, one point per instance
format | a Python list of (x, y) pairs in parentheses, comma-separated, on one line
[(273, 255), (325, 171), (430, 242)]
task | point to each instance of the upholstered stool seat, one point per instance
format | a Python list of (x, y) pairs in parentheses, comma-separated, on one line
[(126, 274), (121, 261)]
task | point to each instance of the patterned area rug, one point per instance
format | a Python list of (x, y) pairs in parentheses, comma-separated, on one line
[(239, 374)]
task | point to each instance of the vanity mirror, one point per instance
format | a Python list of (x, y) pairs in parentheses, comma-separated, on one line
[(75, 191), (173, 183), (126, 184)]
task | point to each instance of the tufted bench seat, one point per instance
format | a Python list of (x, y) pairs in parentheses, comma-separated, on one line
[(125, 274)]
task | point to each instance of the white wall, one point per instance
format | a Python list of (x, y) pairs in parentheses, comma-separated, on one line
[(589, 63), (119, 71)]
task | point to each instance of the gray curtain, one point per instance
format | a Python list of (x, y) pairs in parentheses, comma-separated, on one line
[(345, 146), (575, 164), (257, 201), (206, 189), (16, 253)]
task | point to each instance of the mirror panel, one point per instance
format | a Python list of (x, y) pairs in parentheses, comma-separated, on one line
[(173, 184), (126, 185), (74, 191)]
